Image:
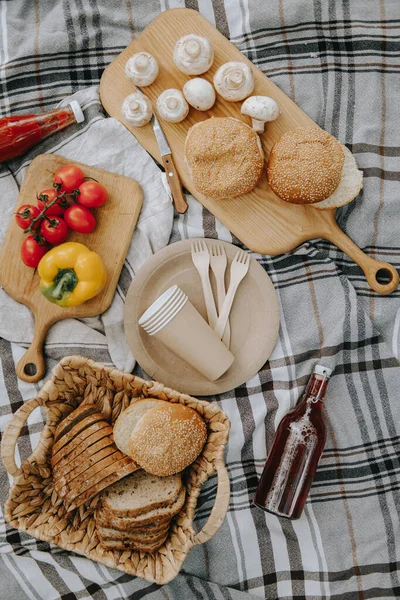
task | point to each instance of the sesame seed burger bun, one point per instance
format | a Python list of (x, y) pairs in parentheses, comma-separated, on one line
[(167, 439), (305, 165), (224, 157)]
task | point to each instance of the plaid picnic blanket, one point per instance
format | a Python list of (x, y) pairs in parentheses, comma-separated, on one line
[(340, 62)]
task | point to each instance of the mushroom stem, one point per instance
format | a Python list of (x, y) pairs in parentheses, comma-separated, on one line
[(257, 125), (192, 48)]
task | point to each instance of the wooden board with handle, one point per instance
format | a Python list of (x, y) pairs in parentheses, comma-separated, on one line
[(116, 221), (259, 219)]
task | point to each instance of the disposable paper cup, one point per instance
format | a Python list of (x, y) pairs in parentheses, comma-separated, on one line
[(160, 305), (184, 331)]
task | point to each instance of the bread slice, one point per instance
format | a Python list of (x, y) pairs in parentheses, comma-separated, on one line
[(88, 455), (76, 429), (87, 461), (155, 517), (127, 545), (149, 538), (151, 529), (128, 420), (141, 493), (73, 418), (124, 468), (90, 435)]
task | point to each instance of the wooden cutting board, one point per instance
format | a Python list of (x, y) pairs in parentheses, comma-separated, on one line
[(116, 221), (259, 219)]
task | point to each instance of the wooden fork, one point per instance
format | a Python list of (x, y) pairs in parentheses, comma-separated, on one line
[(239, 268), (218, 262), (201, 260)]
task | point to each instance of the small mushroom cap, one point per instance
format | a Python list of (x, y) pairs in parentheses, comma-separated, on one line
[(262, 108), (199, 93), (141, 69), (136, 110), (193, 54), (172, 106), (234, 81)]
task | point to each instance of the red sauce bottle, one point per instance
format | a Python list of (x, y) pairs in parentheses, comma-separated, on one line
[(19, 133), (296, 449)]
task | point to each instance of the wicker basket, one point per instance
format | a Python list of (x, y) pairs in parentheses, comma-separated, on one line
[(33, 505)]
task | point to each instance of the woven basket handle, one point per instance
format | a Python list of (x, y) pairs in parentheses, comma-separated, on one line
[(12, 434), (219, 509)]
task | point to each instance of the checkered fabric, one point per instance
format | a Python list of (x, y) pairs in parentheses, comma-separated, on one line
[(339, 61)]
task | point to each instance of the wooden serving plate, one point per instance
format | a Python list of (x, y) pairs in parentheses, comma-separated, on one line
[(261, 220), (116, 221)]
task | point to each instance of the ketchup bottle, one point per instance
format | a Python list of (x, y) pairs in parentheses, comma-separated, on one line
[(296, 449), (19, 133)]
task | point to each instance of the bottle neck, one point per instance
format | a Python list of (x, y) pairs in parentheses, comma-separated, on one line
[(316, 387)]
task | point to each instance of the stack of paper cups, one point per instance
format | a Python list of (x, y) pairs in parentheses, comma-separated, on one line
[(173, 320)]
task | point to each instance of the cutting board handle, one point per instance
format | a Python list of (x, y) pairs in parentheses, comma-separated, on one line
[(31, 367), (382, 277)]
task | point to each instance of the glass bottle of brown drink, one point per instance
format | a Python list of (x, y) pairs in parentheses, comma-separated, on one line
[(297, 447)]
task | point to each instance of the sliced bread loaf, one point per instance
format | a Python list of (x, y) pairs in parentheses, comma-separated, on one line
[(156, 516), (89, 453), (100, 430), (99, 482), (78, 428), (128, 420), (141, 493), (73, 418), (87, 461)]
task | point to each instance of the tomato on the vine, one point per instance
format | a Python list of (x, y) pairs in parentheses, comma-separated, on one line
[(54, 230), (25, 214), (79, 219), (32, 251), (45, 198), (69, 178), (91, 194)]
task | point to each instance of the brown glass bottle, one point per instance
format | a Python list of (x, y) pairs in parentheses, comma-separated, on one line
[(297, 447)]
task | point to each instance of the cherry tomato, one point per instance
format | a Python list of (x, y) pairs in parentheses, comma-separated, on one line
[(69, 178), (54, 230), (79, 219), (92, 194), (45, 198), (25, 214), (32, 251)]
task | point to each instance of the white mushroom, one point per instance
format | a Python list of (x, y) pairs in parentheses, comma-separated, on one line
[(199, 93), (141, 69), (234, 81), (193, 54), (261, 109), (136, 109), (172, 106)]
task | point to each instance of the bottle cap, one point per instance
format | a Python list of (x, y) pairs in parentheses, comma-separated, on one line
[(321, 370), (78, 112)]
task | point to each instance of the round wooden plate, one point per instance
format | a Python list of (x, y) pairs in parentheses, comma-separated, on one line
[(254, 320)]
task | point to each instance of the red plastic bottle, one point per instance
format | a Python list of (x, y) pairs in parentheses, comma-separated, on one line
[(297, 447), (19, 133)]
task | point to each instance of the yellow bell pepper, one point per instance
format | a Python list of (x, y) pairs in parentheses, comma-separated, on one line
[(70, 274)]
